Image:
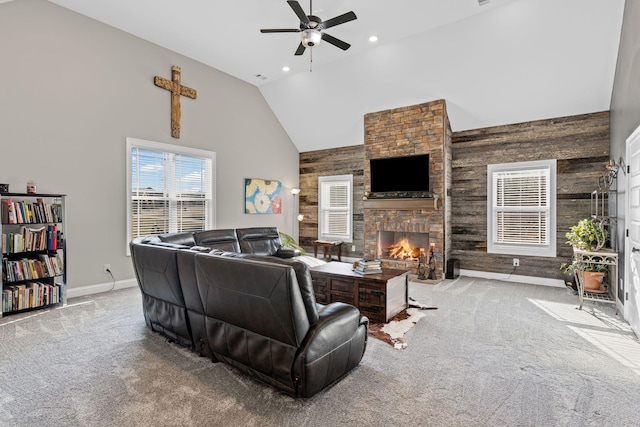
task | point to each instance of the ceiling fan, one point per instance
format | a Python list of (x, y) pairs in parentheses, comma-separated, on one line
[(312, 28)]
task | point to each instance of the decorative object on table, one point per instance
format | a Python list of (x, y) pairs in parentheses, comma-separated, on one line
[(432, 261), (4, 188), (176, 90), (31, 187), (422, 265), (262, 196)]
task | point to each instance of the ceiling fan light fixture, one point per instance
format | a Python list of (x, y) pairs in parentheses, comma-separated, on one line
[(311, 37)]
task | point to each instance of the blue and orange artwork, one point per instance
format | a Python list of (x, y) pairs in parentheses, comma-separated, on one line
[(262, 196)]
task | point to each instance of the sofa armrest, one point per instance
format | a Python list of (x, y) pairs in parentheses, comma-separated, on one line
[(337, 324), (333, 347), (287, 253)]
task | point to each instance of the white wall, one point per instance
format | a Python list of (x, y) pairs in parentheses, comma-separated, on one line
[(73, 89)]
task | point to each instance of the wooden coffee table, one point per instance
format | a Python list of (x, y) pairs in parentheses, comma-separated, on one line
[(378, 296)]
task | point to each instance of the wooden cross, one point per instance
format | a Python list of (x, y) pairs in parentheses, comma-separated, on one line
[(176, 90)]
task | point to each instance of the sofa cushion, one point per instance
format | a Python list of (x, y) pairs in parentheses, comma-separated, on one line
[(225, 240)]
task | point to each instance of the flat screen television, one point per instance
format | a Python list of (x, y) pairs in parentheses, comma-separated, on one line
[(400, 174)]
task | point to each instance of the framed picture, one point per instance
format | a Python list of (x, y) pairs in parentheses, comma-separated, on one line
[(262, 196)]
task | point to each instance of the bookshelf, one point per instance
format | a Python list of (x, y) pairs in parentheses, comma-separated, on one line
[(33, 251)]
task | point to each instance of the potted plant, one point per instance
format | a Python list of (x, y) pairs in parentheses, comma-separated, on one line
[(587, 235), (592, 273), (290, 243)]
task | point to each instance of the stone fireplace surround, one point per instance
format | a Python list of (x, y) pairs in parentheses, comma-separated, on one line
[(417, 129)]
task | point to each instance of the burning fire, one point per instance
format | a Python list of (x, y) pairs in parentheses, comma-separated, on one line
[(402, 250)]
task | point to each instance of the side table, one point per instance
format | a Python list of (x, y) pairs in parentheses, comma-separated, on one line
[(328, 245)]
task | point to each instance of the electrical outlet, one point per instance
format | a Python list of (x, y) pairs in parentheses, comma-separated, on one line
[(107, 268), (516, 262), (353, 248)]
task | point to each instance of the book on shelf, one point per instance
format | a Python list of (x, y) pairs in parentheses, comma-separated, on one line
[(8, 212), (24, 212), (30, 295)]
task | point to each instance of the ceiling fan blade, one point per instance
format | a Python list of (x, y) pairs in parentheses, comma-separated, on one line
[(280, 30), (299, 12), (336, 42), (345, 17), (300, 49)]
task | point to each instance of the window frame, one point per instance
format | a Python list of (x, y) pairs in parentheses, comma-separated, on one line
[(524, 249), (348, 179), (132, 143)]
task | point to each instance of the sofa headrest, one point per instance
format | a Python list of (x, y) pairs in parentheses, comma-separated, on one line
[(259, 240), (224, 239), (184, 238)]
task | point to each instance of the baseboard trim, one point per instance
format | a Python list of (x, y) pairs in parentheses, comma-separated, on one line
[(100, 287), (555, 283)]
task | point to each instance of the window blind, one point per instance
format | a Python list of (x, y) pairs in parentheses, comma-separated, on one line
[(335, 207), (522, 206), (170, 192)]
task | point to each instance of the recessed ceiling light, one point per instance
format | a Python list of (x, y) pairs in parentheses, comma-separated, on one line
[(285, 68), (373, 39)]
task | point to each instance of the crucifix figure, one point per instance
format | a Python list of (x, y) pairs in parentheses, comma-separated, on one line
[(176, 90)]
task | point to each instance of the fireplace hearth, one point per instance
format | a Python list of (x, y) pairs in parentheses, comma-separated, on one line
[(402, 245)]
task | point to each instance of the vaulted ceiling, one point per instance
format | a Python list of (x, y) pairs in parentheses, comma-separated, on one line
[(507, 61)]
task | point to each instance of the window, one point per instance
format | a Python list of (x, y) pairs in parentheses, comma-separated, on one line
[(335, 207), (521, 214), (169, 188)]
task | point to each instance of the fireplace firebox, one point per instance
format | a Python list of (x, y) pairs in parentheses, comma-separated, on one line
[(402, 245)]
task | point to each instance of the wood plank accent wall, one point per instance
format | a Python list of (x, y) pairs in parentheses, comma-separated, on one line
[(581, 146), (333, 161)]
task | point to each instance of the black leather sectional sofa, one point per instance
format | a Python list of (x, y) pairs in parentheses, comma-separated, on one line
[(238, 297)]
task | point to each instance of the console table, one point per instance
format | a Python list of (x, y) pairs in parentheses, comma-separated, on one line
[(378, 296)]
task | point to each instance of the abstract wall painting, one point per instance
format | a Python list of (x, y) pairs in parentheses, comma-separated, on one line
[(262, 196)]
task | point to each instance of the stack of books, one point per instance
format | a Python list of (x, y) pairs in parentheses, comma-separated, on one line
[(368, 266)]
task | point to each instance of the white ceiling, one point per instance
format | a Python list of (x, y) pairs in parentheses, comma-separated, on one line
[(506, 62)]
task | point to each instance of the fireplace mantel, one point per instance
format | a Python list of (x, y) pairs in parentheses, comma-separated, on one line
[(409, 204)]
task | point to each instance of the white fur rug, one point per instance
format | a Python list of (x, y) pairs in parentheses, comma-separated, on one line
[(394, 331)]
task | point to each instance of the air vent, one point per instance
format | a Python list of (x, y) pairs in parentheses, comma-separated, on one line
[(261, 77)]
